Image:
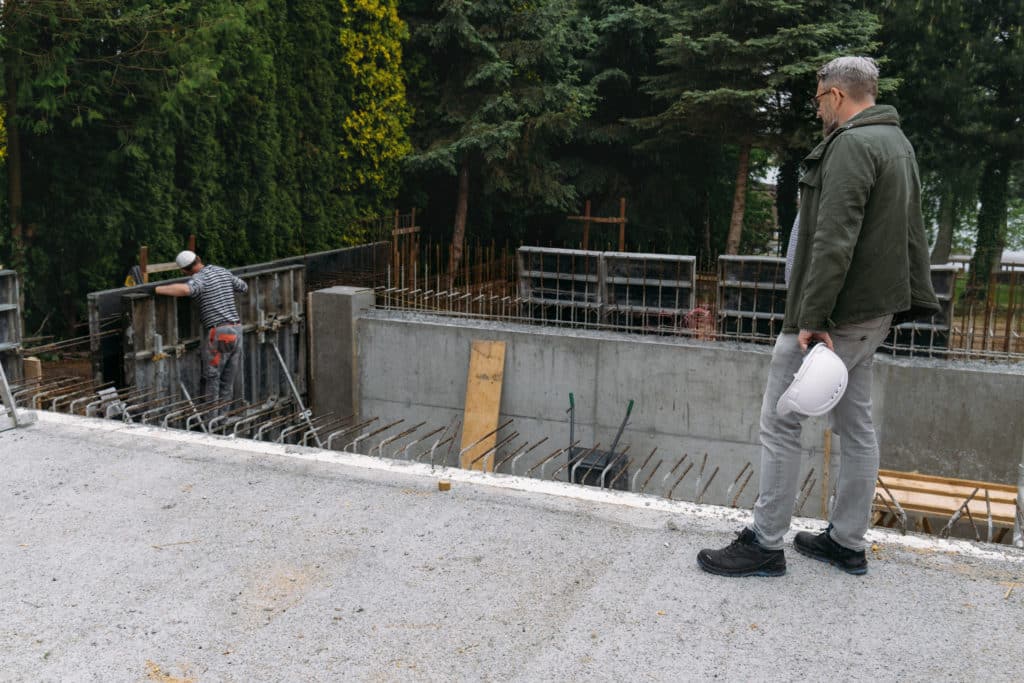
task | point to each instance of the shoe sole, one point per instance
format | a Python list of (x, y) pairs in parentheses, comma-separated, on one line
[(856, 571), (757, 572)]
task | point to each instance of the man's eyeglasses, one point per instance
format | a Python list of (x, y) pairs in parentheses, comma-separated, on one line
[(815, 100)]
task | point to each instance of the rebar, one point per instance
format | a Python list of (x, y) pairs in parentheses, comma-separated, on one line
[(189, 410), (485, 436), (334, 425), (901, 516), (492, 449), (572, 470), (170, 405), (736, 498), (672, 471), (206, 408), (570, 461), (286, 432), (396, 437), (803, 498), (264, 413), (275, 422), (351, 446), (515, 453), (735, 481), (348, 430), (516, 456), (681, 477), (405, 449), (700, 496), (956, 515), (700, 475), (543, 461), (611, 462), (632, 486), (87, 391), (643, 487), (222, 420), (611, 484)]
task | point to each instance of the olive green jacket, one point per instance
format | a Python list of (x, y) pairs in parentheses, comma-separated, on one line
[(862, 251)]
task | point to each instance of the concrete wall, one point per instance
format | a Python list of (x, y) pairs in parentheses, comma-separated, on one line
[(953, 419), (690, 397)]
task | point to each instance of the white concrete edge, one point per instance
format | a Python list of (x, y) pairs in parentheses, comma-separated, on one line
[(516, 483)]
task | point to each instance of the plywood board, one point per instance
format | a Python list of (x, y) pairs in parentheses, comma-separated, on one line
[(483, 402)]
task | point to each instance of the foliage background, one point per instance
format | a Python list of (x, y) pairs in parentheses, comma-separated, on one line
[(272, 127)]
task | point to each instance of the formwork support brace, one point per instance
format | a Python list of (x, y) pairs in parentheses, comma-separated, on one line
[(15, 420), (295, 392)]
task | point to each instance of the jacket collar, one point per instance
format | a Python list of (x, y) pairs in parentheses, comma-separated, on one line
[(877, 115)]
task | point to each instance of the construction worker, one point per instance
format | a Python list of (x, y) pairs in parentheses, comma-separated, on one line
[(214, 288)]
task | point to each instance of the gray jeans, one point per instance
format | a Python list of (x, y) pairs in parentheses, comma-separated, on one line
[(851, 419), (222, 361)]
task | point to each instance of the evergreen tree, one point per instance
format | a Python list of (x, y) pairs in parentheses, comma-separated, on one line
[(376, 141), (497, 86), (132, 123), (736, 72)]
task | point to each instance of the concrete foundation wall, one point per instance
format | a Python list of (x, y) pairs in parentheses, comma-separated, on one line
[(690, 397)]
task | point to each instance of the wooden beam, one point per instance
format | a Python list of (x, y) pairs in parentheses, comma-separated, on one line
[(483, 403)]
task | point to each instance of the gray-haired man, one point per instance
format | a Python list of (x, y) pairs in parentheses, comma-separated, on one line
[(861, 257)]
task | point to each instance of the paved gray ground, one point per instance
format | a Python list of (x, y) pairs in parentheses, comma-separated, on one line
[(131, 558)]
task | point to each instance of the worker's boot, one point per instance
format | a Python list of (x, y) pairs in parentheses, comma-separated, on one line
[(822, 547), (743, 557)]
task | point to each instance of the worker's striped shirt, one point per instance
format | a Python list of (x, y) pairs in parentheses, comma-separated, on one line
[(214, 288)]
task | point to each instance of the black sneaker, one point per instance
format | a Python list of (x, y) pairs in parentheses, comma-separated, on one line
[(822, 547), (743, 557)]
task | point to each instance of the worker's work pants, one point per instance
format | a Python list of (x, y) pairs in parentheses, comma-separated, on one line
[(851, 419), (222, 361)]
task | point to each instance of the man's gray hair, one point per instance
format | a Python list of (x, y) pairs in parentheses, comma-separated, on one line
[(857, 76)]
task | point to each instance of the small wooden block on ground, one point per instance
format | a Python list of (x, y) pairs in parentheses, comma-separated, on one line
[(483, 402)]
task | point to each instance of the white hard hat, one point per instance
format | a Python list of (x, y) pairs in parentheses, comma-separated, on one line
[(817, 386), (185, 259)]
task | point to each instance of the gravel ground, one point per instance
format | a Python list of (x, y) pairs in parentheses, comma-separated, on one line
[(136, 555)]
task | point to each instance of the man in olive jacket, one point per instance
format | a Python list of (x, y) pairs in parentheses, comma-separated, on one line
[(860, 257)]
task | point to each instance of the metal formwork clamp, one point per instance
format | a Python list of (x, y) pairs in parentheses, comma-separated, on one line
[(296, 317), (158, 349)]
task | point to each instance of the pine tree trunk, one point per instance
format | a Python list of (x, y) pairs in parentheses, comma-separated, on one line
[(14, 194), (739, 201), (947, 220), (461, 209), (988, 250), (787, 191)]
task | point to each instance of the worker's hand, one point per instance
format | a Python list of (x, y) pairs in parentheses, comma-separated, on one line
[(806, 337)]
